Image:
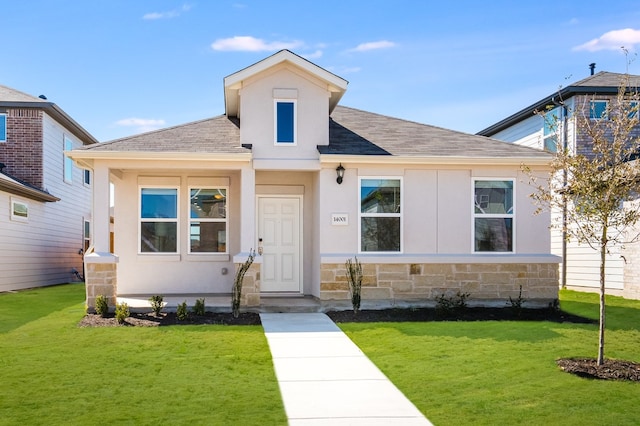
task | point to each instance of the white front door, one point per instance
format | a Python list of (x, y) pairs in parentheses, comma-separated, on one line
[(279, 227)]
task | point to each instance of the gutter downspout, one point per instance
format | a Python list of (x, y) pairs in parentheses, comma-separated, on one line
[(564, 203)]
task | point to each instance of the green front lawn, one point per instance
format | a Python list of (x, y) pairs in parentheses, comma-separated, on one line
[(53, 372), (504, 373)]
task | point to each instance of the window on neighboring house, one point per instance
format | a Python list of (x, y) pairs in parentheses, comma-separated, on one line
[(493, 215), (19, 211), (3, 127), (86, 235), (632, 109), (158, 220), (285, 122), (87, 177), (68, 162), (551, 130), (208, 220), (598, 109), (380, 215)]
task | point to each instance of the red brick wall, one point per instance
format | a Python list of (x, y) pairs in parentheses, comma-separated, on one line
[(23, 151)]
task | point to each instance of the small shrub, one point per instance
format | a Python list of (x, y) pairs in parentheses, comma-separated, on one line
[(182, 313), (354, 276), (198, 308), (446, 305), (156, 304), (122, 312), (516, 304), (102, 306), (236, 295)]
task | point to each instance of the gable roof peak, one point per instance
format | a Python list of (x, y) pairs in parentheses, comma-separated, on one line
[(336, 85)]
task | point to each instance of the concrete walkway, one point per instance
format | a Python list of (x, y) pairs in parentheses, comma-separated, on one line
[(325, 379)]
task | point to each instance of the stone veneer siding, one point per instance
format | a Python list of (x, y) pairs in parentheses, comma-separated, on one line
[(631, 272), (421, 284), (101, 279)]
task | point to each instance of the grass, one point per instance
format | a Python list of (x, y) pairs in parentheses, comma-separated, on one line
[(53, 372), (487, 373)]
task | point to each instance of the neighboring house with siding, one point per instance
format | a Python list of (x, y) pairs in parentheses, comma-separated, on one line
[(589, 96), (45, 200), (309, 184)]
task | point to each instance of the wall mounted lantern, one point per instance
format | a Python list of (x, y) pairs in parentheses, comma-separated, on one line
[(340, 173)]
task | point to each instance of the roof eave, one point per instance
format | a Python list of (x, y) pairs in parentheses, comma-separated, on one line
[(435, 160), (62, 117), (25, 191), (562, 94), (80, 155)]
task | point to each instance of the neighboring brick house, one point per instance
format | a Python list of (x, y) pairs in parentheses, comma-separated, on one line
[(588, 97), (45, 200), (310, 183)]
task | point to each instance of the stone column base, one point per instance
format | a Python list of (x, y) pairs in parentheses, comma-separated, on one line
[(101, 279)]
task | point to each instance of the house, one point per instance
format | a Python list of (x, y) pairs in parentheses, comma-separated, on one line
[(588, 97), (45, 200), (308, 184)]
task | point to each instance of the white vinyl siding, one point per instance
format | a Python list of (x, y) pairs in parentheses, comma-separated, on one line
[(46, 249)]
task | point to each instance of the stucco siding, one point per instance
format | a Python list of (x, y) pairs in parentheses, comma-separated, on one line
[(257, 114)]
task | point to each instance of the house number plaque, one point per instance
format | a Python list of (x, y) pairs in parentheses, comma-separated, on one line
[(340, 219)]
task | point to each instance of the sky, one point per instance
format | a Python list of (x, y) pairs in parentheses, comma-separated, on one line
[(122, 67)]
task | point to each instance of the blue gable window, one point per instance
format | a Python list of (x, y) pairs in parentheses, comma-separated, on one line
[(3, 127), (285, 122)]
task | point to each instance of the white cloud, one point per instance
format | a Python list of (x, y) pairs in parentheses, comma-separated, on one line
[(166, 15), (252, 44), (612, 40), (141, 124), (373, 45), (315, 55)]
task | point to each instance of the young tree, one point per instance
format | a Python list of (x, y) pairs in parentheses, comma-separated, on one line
[(597, 184)]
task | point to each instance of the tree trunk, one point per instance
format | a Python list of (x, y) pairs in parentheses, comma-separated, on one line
[(603, 253)]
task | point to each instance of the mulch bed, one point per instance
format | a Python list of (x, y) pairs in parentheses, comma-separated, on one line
[(170, 318), (464, 314), (612, 369)]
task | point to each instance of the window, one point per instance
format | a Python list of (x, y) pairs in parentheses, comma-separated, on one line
[(87, 177), (86, 235), (3, 127), (598, 109), (68, 162), (285, 122), (380, 215), (19, 211), (158, 220), (632, 109), (493, 215), (208, 220), (551, 129)]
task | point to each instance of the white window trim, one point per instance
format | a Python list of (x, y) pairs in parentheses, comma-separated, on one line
[(361, 215), (166, 220), (67, 163), (3, 138), (86, 239), (475, 215), (275, 122), (215, 220), (15, 217)]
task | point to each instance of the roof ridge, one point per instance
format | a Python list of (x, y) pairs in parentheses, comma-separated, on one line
[(20, 92)]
